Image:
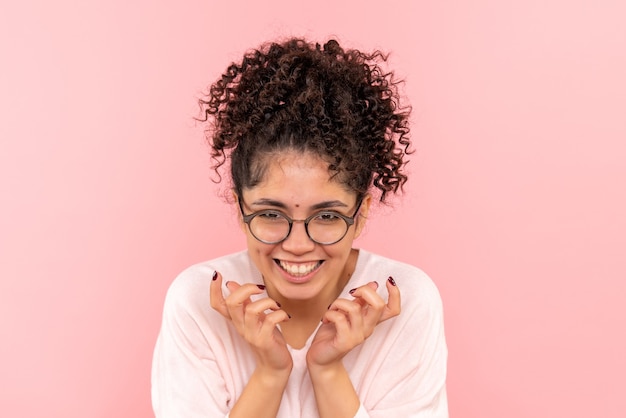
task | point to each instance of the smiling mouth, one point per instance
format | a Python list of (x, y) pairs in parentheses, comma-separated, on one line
[(301, 269)]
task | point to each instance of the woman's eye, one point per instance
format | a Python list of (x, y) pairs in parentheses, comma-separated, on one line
[(270, 216), (327, 217)]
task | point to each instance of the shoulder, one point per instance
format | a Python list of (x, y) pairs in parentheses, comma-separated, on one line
[(191, 287)]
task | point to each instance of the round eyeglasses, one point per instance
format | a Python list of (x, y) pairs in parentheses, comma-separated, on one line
[(326, 227)]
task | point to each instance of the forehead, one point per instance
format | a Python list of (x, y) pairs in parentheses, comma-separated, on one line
[(298, 178)]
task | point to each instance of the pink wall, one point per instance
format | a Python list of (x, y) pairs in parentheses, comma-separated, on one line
[(516, 205)]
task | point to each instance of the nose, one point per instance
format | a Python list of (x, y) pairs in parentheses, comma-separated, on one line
[(298, 242)]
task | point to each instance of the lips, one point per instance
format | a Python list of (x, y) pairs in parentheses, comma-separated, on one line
[(298, 269)]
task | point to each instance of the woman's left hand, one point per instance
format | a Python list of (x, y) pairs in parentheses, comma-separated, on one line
[(348, 323)]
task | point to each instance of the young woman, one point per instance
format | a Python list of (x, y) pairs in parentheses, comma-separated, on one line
[(301, 324)]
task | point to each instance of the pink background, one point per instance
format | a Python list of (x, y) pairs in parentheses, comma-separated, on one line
[(515, 207)]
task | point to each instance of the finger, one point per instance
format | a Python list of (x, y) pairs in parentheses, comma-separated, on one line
[(373, 285), (353, 311), (240, 294), (255, 312), (374, 306), (260, 306), (356, 292), (239, 298), (393, 306), (368, 296), (369, 289), (340, 321), (270, 322), (216, 296)]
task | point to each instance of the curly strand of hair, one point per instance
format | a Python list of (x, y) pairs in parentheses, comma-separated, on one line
[(339, 103)]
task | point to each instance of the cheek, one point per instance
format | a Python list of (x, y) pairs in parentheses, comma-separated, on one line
[(341, 250), (258, 249)]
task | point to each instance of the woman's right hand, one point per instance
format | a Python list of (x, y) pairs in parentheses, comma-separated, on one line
[(254, 323)]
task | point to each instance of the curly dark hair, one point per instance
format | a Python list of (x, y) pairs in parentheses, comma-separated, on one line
[(295, 95)]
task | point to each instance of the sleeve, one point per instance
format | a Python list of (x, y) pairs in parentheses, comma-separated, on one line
[(186, 379), (411, 380)]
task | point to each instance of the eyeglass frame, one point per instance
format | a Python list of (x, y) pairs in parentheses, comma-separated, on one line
[(349, 220)]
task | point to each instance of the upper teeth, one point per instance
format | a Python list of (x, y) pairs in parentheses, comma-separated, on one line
[(298, 269)]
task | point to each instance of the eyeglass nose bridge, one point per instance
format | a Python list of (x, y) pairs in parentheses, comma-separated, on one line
[(305, 223)]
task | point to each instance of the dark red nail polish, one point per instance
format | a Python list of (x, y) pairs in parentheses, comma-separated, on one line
[(214, 275), (392, 281), (288, 316), (278, 304), (329, 306), (261, 286), (352, 291)]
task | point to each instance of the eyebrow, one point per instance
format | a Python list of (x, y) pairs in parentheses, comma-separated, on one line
[(321, 205)]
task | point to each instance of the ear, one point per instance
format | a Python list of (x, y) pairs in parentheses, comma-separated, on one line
[(242, 225), (362, 216)]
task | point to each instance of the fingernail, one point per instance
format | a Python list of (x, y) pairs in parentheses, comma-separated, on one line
[(288, 316), (352, 291), (392, 281), (261, 286), (214, 275), (227, 283), (376, 284), (329, 306), (278, 304)]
